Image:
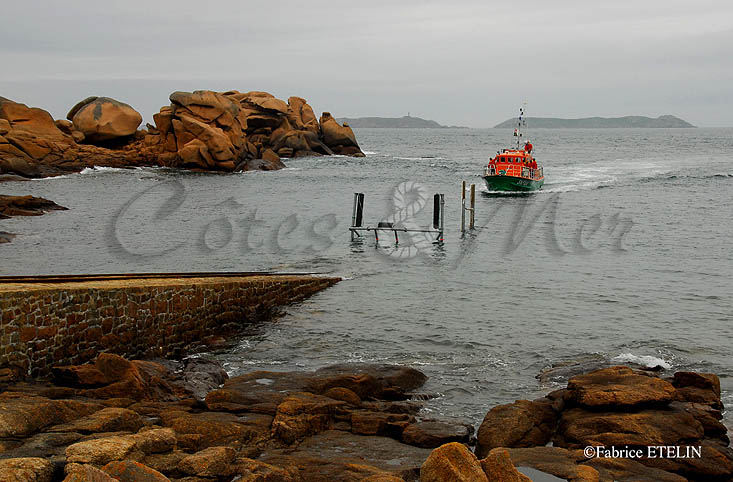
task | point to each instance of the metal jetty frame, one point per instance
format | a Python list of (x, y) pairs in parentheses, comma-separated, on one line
[(357, 217)]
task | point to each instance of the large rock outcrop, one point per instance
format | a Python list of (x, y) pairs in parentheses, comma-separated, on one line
[(340, 139), (202, 130), (103, 119), (32, 145)]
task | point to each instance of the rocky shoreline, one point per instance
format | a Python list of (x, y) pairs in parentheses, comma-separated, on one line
[(187, 421), (201, 130)]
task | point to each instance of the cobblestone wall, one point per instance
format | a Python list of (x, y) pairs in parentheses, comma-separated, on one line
[(71, 323)]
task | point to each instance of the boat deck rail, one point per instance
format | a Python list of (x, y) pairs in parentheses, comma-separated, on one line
[(516, 171)]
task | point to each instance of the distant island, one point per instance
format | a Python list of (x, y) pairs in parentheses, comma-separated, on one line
[(599, 122), (393, 122)]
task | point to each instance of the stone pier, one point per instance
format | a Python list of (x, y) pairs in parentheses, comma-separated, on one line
[(42, 325)]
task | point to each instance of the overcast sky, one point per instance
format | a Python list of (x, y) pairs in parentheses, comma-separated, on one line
[(465, 63)]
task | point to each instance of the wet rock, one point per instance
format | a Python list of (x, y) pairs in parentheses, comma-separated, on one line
[(622, 470), (708, 417), (194, 376), (452, 462), (26, 470), (519, 424), (263, 391), (343, 394), (431, 434), (121, 378), (211, 462), (380, 423), (343, 449), (102, 451), (26, 206), (619, 387), (556, 461), (166, 462), (561, 372), (255, 470), (154, 441), (303, 414), (130, 471), (106, 420), (703, 388), (86, 473), (217, 428), (714, 463), (383, 478), (385, 382), (673, 426), (260, 165), (23, 415), (79, 376), (573, 466), (498, 467), (102, 119), (322, 469), (44, 445)]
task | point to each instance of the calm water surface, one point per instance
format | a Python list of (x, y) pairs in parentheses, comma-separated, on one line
[(624, 256)]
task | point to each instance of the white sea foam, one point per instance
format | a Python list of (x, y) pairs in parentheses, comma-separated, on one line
[(420, 158), (63, 176), (645, 360), (370, 153), (98, 169)]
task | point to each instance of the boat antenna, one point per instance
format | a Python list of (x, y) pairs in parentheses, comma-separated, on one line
[(521, 122)]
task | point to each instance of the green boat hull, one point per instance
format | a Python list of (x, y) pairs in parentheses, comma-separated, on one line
[(511, 183)]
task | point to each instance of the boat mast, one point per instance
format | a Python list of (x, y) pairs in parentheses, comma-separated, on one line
[(520, 122)]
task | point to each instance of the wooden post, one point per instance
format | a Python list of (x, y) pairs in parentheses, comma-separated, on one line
[(353, 213), (442, 216), (471, 217), (463, 207)]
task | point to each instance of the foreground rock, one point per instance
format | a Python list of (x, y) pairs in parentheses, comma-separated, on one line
[(201, 130), (623, 408), (138, 420), (145, 420)]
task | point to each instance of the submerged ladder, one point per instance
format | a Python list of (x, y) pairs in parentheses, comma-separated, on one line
[(357, 218)]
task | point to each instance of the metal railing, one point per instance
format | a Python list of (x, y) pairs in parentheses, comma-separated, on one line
[(519, 171)]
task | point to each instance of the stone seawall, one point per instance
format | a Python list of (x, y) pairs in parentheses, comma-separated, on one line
[(42, 325)]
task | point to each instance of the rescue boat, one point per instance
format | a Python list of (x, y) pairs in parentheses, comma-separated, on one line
[(515, 169)]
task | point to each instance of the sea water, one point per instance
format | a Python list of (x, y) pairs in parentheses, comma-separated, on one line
[(625, 256)]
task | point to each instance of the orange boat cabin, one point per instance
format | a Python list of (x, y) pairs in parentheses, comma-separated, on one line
[(515, 163)]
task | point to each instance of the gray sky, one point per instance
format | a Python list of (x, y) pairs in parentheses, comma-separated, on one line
[(466, 63)]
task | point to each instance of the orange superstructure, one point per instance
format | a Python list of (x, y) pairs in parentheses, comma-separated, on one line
[(515, 163)]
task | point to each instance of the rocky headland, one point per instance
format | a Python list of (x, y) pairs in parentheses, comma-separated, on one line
[(187, 421), (201, 130), (404, 122), (629, 121)]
